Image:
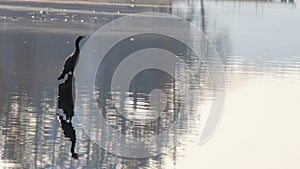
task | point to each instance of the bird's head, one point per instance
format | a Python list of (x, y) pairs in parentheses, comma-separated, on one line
[(79, 38)]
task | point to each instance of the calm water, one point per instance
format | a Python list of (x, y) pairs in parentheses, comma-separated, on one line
[(259, 47)]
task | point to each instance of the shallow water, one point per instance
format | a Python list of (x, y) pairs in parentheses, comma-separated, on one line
[(259, 48)]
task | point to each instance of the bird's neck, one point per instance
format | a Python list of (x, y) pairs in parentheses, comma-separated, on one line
[(77, 49)]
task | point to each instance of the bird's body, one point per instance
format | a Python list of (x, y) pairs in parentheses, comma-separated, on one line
[(71, 60)]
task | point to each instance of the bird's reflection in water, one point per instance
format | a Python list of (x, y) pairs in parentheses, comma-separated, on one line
[(65, 102)]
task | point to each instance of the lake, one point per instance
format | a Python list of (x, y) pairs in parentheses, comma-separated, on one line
[(256, 41)]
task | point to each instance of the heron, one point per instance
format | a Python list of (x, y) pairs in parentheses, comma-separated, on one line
[(71, 60)]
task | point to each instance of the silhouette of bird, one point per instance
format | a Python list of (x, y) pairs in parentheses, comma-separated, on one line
[(71, 60)]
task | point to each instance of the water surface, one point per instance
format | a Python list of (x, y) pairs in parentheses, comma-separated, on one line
[(258, 45)]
